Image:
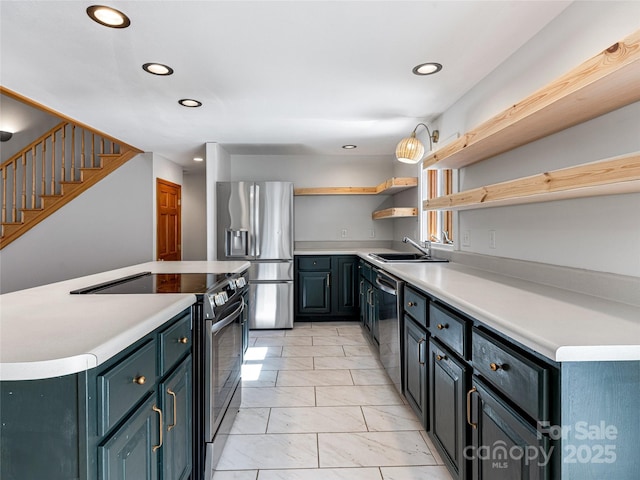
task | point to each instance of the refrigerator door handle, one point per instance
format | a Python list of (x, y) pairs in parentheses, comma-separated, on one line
[(256, 220)]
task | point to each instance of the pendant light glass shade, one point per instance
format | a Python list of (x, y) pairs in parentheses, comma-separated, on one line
[(410, 149)]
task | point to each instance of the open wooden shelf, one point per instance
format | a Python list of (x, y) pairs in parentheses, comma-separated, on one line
[(608, 81), (395, 212), (606, 177), (391, 186)]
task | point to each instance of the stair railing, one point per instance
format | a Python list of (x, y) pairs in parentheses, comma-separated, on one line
[(42, 167)]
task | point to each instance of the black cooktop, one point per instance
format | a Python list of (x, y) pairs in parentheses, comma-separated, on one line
[(147, 282)]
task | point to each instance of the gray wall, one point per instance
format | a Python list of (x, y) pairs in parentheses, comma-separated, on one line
[(194, 216), (601, 233), (108, 226), (25, 122), (323, 218)]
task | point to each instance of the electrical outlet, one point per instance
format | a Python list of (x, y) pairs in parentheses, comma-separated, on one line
[(466, 238), (492, 239), (343, 233), (372, 233)]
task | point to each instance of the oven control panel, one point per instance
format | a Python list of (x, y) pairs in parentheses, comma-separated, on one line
[(221, 294)]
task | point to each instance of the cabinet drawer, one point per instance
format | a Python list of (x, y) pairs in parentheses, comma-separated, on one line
[(314, 263), (450, 329), (121, 387), (366, 271), (175, 343), (520, 379), (415, 304)]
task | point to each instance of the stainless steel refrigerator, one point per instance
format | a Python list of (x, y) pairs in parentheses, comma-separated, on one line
[(255, 223)]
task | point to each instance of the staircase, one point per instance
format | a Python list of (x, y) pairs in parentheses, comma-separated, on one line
[(53, 170)]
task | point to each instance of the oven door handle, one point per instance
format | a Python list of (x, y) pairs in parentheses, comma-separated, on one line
[(229, 319)]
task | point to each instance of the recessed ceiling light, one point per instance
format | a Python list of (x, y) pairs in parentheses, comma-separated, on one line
[(198, 159), (157, 69), (428, 68), (107, 16), (349, 147), (189, 102)]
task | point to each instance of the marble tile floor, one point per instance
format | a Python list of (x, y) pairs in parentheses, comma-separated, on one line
[(317, 405)]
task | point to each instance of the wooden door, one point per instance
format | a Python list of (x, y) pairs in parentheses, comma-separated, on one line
[(169, 238)]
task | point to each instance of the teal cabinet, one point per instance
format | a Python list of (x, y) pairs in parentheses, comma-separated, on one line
[(346, 301), (176, 394), (131, 453), (314, 290), (326, 287), (415, 368), (500, 436), (128, 419), (369, 303), (448, 381)]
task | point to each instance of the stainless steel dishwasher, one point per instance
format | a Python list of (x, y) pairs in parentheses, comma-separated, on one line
[(390, 301)]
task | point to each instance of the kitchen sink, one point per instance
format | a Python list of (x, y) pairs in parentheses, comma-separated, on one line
[(405, 257)]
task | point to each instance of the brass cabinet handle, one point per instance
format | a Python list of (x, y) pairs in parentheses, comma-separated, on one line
[(183, 340), (140, 380), (495, 367), (156, 409), (328, 280), (420, 342), (411, 304), (441, 357), (175, 409), (473, 425), (442, 326)]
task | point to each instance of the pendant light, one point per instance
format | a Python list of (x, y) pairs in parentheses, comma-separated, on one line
[(411, 150)]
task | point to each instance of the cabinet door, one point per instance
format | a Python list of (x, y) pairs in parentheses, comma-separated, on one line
[(314, 292), (176, 402), (447, 390), (130, 453), (415, 368), (505, 446), (363, 301), (346, 293), (374, 315)]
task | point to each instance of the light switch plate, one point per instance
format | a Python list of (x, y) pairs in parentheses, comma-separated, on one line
[(492, 239)]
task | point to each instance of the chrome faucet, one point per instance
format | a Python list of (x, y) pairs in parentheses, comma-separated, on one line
[(426, 249)]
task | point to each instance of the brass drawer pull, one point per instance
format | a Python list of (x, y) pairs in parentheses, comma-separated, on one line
[(441, 357), (156, 409), (140, 380), (183, 340), (412, 304), (442, 326), (175, 409), (473, 425), (496, 366)]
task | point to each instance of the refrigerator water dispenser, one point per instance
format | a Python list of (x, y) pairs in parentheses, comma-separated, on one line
[(237, 244)]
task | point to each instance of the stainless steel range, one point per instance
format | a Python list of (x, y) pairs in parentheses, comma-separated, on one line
[(220, 321)]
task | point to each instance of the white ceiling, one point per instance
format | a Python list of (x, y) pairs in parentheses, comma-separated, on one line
[(274, 77)]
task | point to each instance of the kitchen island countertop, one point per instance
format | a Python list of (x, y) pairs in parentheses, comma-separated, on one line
[(562, 325), (46, 332)]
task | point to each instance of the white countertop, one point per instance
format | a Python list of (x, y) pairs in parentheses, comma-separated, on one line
[(562, 325), (46, 332)]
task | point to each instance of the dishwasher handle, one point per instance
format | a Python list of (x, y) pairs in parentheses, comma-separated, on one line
[(385, 286)]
